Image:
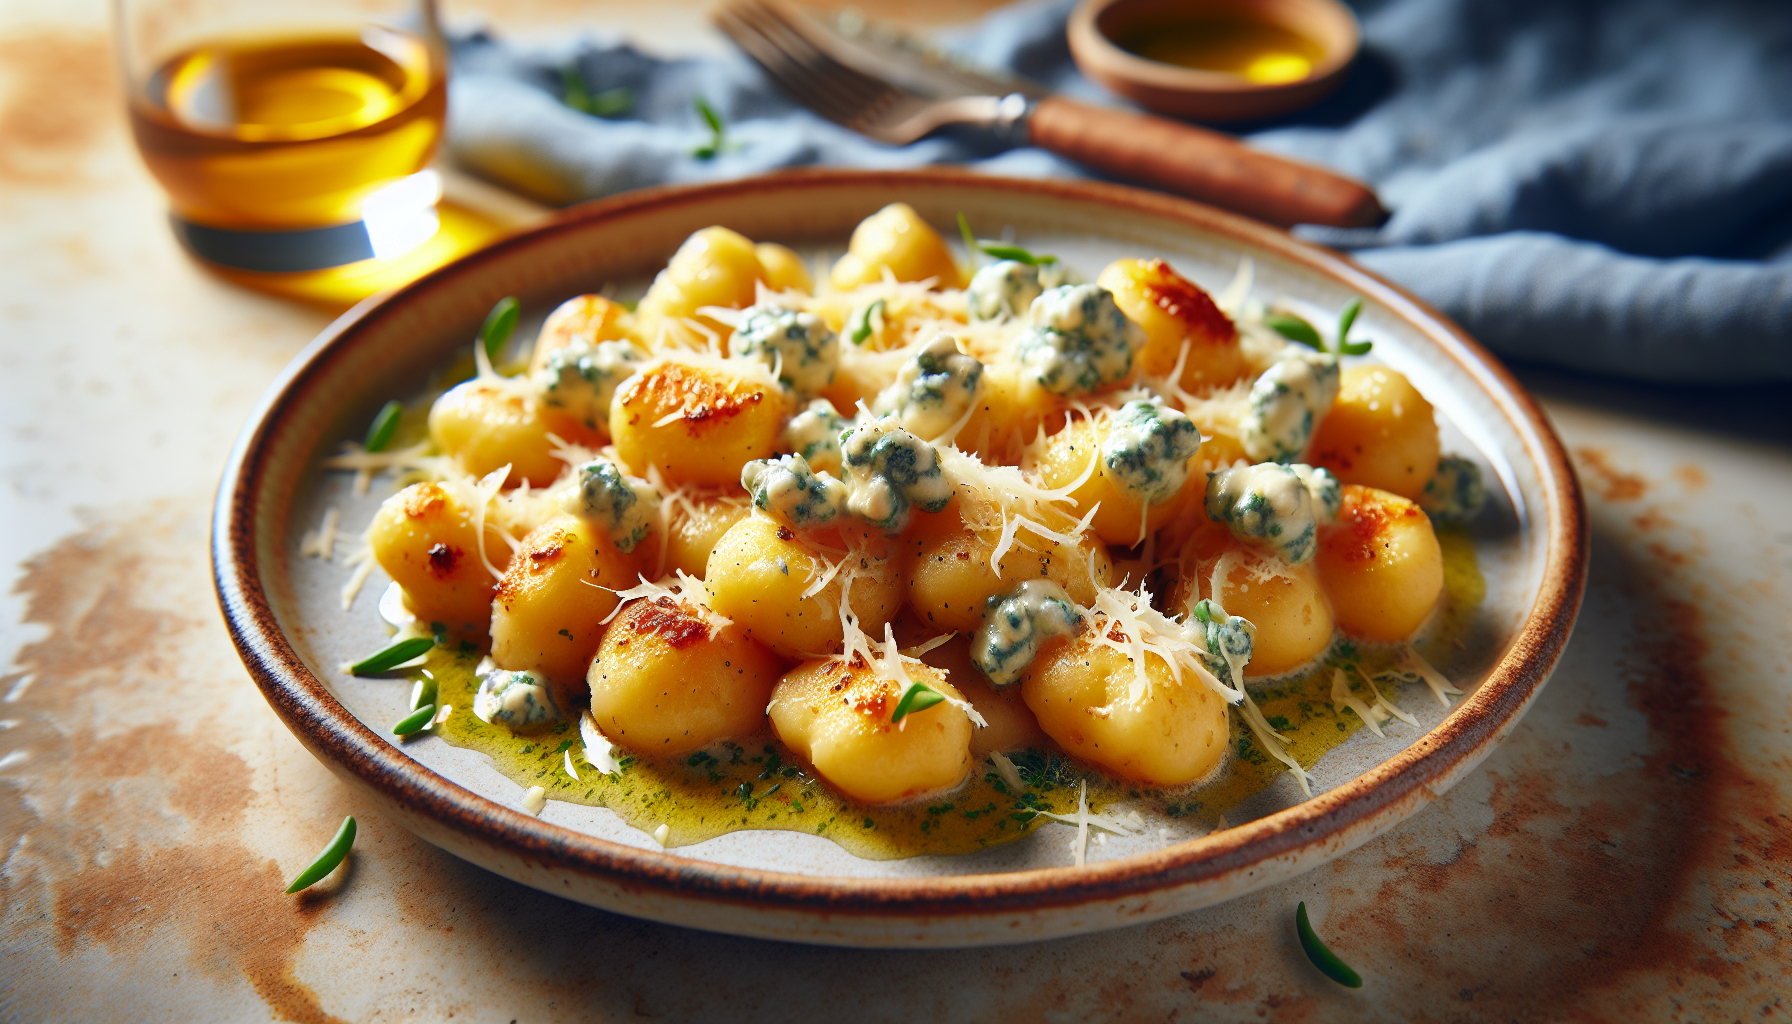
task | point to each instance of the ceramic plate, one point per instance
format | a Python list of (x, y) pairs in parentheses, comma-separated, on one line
[(285, 614)]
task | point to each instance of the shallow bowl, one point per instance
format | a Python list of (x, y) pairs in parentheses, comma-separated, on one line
[(1097, 26), (285, 617)]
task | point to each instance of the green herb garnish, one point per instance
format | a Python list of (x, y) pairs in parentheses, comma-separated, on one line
[(1294, 329), (718, 131), (397, 654), (609, 103), (999, 250), (1323, 958), (918, 697), (861, 321), (384, 425), (1345, 320), (424, 692), (970, 240), (326, 861), (499, 325), (415, 721)]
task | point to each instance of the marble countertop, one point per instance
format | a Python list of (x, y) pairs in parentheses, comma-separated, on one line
[(1625, 855)]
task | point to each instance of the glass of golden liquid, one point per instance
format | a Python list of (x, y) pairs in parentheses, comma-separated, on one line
[(293, 138)]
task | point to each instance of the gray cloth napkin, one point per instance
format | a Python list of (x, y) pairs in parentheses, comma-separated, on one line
[(1605, 186)]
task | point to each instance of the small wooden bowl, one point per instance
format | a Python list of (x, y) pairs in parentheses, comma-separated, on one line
[(1096, 26)]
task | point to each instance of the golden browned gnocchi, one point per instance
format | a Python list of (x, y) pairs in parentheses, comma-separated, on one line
[(1381, 565), (714, 267), (695, 423), (550, 606), (837, 718), (587, 318), (424, 538), (698, 522), (485, 425), (1175, 312), (895, 239), (1380, 433), (668, 680), (761, 575), (783, 269), (1081, 693)]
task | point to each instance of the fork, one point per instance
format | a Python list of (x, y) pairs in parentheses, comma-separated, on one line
[(1168, 155)]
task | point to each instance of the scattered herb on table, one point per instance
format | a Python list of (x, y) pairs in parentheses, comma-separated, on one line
[(608, 103), (718, 131), (1323, 958), (326, 861)]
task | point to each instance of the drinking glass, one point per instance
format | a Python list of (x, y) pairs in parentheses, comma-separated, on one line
[(292, 138)]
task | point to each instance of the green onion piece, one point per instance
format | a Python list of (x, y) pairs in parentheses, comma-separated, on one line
[(1294, 329), (1345, 320), (970, 240), (610, 102), (397, 654), (1323, 958), (572, 90), (326, 861), (499, 325), (918, 697), (425, 692), (1015, 253), (385, 424), (861, 328), (415, 721)]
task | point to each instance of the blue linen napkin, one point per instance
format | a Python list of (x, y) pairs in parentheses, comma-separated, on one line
[(1602, 185)]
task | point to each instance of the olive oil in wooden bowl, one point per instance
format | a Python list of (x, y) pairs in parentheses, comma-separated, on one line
[(1215, 60)]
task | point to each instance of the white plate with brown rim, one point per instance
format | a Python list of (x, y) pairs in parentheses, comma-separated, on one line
[(284, 613)]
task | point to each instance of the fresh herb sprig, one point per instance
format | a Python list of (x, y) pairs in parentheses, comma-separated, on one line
[(718, 131), (415, 721), (1323, 958), (391, 657), (326, 861), (999, 250), (608, 103), (1297, 329), (499, 325), (918, 697), (385, 424), (862, 326)]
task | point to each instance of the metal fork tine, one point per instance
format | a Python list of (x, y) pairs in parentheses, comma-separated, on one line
[(809, 73)]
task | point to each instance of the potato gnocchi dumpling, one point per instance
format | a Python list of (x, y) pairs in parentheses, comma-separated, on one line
[(668, 680), (1092, 511), (837, 718), (1080, 690), (1381, 565), (550, 606), (424, 538), (695, 423)]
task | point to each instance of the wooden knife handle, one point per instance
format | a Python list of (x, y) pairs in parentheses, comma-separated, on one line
[(1202, 164)]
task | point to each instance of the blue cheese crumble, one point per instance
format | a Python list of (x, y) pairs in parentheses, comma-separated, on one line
[(623, 506), (1227, 640), (935, 388), (1288, 402), (1280, 506), (815, 433), (1147, 448), (582, 377), (1017, 624), (521, 700), (891, 472), (799, 347), (787, 488), (1455, 492), (1004, 290), (1079, 341)]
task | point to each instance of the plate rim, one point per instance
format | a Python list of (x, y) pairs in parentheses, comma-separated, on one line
[(1330, 822)]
